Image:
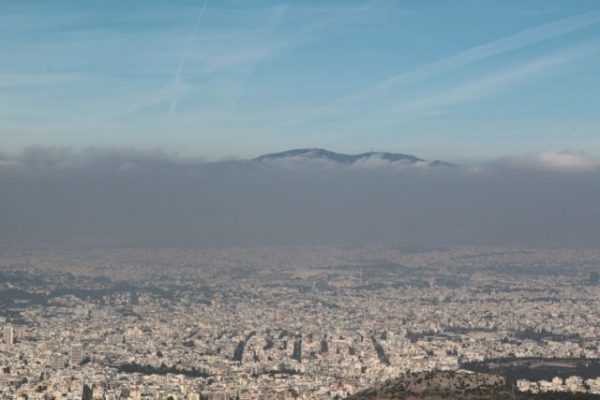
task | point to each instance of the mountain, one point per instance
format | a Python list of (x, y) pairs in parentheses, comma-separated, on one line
[(312, 155)]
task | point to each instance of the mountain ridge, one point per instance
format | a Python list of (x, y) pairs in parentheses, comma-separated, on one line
[(324, 155)]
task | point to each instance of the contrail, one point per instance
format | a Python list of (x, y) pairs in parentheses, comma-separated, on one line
[(177, 77), (514, 42)]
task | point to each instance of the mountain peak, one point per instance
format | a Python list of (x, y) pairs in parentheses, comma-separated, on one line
[(306, 155), (317, 153)]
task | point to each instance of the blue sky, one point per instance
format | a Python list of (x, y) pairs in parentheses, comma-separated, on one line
[(453, 80)]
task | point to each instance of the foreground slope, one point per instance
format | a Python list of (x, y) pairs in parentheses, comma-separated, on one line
[(454, 385)]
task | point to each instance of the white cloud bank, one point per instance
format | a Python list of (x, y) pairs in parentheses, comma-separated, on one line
[(121, 158), (555, 161)]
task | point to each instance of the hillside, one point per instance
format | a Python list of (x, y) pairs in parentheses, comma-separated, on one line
[(454, 385)]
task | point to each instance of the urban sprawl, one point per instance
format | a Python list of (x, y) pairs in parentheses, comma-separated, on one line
[(285, 323)]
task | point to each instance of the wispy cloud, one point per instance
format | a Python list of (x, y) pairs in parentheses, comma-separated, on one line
[(439, 101), (493, 83), (473, 54), (184, 57), (239, 51)]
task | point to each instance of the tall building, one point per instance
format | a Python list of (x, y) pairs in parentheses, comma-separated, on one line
[(76, 354), (297, 354), (19, 333), (87, 393), (134, 298), (8, 334)]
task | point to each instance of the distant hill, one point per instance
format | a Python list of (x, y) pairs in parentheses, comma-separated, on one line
[(455, 385), (439, 385)]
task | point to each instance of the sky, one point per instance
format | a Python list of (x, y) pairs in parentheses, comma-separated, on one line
[(457, 81)]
